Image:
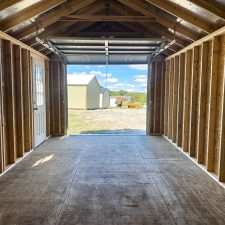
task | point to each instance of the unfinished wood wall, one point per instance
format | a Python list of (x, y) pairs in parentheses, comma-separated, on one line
[(58, 100), (194, 101), (155, 96), (15, 104), (16, 101)]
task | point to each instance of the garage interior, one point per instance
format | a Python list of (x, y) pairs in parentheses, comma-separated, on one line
[(173, 175)]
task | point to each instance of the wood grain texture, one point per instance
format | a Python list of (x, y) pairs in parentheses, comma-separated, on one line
[(18, 85), (170, 108), (166, 101), (213, 105), (221, 158), (2, 140), (175, 98), (58, 98), (157, 97), (9, 102), (162, 100), (187, 86), (193, 120), (180, 110), (219, 103), (152, 100), (203, 95), (26, 99)]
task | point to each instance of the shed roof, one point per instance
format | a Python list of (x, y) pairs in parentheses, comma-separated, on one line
[(35, 21), (102, 89), (81, 79)]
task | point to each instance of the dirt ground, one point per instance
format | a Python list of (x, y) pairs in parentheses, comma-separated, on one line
[(107, 121)]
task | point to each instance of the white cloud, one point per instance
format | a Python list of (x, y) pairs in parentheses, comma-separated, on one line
[(124, 85), (96, 72), (141, 80), (100, 73), (139, 67), (111, 80), (142, 85), (140, 76)]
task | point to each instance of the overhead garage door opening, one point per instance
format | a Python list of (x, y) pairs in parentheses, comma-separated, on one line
[(107, 99), (107, 82)]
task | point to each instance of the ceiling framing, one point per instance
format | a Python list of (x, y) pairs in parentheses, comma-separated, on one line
[(184, 21)]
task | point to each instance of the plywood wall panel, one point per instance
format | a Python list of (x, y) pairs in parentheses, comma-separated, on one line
[(175, 98), (58, 99), (162, 100), (157, 97), (2, 149), (18, 86), (170, 108), (166, 98), (193, 120), (203, 101), (187, 87), (180, 105), (152, 100), (27, 101), (9, 102), (219, 102), (213, 104)]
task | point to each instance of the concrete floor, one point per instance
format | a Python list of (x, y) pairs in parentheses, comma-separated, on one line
[(104, 180)]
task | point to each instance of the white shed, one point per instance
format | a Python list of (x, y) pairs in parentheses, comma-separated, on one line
[(104, 100), (83, 92)]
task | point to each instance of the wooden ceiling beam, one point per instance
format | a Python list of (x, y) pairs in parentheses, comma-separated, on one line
[(108, 18), (120, 8), (61, 27), (145, 9), (210, 6), (28, 13), (166, 34), (76, 28), (151, 28), (184, 14), (46, 20), (4, 4)]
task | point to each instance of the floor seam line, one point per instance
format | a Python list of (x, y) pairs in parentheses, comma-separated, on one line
[(67, 194), (162, 197)]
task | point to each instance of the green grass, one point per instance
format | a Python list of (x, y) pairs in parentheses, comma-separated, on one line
[(76, 123)]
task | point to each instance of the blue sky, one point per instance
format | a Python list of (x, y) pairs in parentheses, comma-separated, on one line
[(119, 77)]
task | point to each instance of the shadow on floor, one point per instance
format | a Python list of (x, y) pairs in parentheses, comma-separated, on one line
[(117, 131)]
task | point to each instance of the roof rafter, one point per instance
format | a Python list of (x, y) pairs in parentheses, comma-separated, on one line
[(46, 20), (109, 18), (184, 14), (4, 4), (159, 29), (62, 27), (28, 13), (145, 9), (210, 6)]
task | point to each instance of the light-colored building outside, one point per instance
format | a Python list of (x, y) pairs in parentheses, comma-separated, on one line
[(83, 92), (104, 99)]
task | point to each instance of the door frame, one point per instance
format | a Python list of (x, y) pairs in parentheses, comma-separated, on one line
[(36, 61)]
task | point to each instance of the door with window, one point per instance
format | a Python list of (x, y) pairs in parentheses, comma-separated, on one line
[(39, 106)]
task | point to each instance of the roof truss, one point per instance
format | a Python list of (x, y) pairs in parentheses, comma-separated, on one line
[(118, 18)]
